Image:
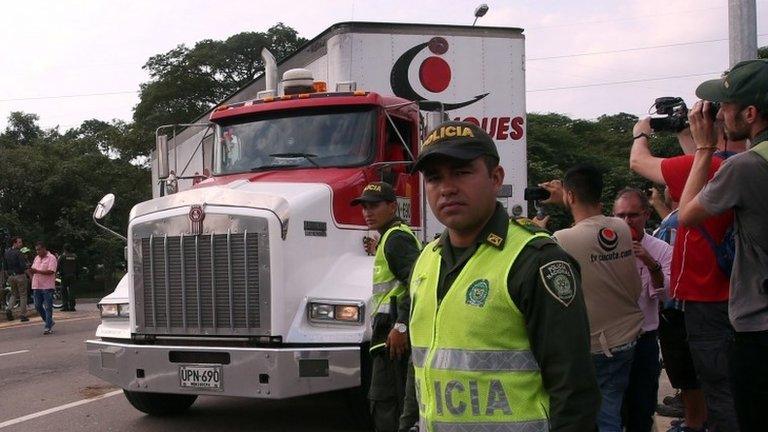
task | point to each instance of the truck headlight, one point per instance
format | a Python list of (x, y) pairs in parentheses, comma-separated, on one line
[(115, 310), (333, 311)]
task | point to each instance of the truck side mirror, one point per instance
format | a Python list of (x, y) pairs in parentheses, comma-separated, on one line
[(162, 156), (104, 206)]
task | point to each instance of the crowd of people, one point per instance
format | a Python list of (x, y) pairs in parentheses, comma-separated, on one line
[(27, 273), (498, 325)]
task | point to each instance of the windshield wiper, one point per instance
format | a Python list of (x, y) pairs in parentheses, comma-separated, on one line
[(307, 156), (275, 166)]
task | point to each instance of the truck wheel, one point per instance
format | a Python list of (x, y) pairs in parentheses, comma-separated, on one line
[(159, 404)]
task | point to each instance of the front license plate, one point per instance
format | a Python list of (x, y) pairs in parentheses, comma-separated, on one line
[(201, 377)]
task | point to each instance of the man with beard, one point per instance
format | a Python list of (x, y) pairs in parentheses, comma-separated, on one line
[(739, 185), (603, 248)]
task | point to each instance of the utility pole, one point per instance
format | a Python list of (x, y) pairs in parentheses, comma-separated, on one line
[(742, 30)]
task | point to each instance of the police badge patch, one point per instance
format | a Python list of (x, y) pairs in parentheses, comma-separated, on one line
[(559, 281), (477, 293)]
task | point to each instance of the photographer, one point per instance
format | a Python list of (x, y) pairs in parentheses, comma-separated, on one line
[(698, 286), (738, 186)]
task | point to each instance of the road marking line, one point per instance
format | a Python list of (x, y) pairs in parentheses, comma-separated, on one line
[(37, 322), (14, 352), (57, 409)]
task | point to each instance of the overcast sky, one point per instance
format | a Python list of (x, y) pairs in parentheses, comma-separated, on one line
[(70, 61)]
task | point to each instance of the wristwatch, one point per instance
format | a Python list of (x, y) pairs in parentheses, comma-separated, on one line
[(400, 327)]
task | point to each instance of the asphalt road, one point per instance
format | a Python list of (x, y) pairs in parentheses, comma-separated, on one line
[(45, 386)]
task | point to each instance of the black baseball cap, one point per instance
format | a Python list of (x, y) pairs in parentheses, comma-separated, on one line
[(375, 192), (458, 140), (746, 83)]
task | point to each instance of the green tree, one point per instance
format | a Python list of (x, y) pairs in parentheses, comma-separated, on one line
[(22, 129), (557, 142), (51, 183), (186, 82)]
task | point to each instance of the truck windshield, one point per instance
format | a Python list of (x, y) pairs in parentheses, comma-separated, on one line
[(295, 139)]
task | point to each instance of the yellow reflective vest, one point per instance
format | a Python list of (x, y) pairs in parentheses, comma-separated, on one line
[(472, 358), (385, 283)]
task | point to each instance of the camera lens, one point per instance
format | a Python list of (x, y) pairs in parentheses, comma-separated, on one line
[(714, 107)]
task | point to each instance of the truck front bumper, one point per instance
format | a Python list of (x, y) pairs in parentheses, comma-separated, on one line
[(267, 373)]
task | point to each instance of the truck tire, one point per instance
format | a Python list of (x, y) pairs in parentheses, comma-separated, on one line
[(159, 404)]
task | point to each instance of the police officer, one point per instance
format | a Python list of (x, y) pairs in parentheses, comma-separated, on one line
[(68, 273), (395, 254), (499, 330), (16, 267)]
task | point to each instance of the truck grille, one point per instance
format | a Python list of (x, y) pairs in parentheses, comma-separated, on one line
[(205, 284)]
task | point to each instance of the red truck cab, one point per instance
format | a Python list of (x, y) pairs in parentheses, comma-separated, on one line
[(344, 139)]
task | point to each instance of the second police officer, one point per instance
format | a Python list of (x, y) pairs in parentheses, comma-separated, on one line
[(395, 254)]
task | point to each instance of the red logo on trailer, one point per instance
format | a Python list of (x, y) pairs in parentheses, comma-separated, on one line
[(435, 76)]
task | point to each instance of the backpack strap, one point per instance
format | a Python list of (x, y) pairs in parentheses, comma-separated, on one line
[(704, 233)]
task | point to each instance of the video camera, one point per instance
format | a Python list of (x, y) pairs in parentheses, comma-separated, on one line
[(536, 194), (675, 114)]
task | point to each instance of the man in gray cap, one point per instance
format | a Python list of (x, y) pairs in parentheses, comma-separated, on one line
[(739, 185), (395, 254), (499, 330)]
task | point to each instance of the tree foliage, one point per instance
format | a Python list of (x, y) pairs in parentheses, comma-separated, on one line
[(51, 182), (557, 142), (186, 82)]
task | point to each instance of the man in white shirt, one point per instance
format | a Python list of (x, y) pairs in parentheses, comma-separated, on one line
[(654, 259)]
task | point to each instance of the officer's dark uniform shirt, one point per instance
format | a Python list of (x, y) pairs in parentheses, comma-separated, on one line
[(558, 328), (401, 253), (15, 262), (68, 265)]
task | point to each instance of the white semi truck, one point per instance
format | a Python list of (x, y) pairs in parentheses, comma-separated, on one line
[(251, 279)]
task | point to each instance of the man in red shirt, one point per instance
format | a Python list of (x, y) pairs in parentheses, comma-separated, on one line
[(696, 280)]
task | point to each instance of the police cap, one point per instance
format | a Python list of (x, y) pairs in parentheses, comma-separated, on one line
[(375, 192), (458, 140)]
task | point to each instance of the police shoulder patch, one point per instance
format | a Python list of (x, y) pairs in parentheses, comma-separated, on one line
[(559, 281), (477, 293)]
